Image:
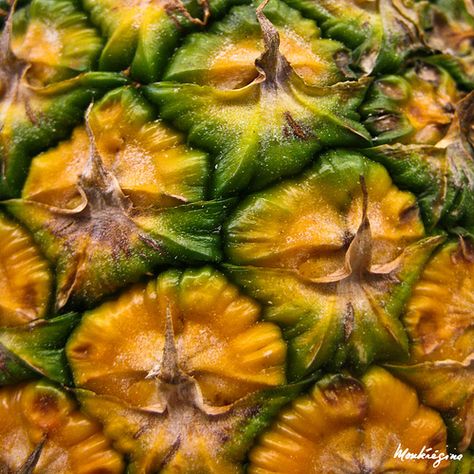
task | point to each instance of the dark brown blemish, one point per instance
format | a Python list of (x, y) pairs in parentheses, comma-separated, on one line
[(391, 90), (348, 321), (177, 6), (428, 73), (408, 214), (464, 251), (82, 351), (170, 454), (28, 467), (293, 128), (45, 403), (343, 61), (386, 123)]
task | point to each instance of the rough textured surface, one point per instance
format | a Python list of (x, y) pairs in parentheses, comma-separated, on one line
[(262, 217)]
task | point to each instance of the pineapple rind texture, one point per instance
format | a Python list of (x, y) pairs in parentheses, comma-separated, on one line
[(45, 89), (43, 425), (348, 285), (26, 280), (236, 236)]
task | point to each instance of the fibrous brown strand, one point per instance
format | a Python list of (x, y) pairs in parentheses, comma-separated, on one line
[(30, 464), (177, 5), (273, 66)]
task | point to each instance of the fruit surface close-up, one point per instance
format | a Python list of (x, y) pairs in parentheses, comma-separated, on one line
[(236, 236)]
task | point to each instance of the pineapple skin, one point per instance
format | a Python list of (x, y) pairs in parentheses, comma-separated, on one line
[(236, 236)]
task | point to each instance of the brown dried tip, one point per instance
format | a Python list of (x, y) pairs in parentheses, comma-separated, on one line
[(12, 72), (179, 6), (459, 143), (168, 370), (11, 68), (5, 37), (465, 251), (358, 258), (28, 467), (177, 386), (272, 65), (97, 184), (359, 253), (8, 61)]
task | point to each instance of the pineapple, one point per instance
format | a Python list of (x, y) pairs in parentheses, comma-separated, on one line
[(43, 426), (46, 88), (26, 278), (341, 425), (236, 236)]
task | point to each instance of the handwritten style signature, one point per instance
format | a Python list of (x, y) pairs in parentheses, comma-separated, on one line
[(436, 455)]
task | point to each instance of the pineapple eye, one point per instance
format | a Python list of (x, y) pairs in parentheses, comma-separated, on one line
[(142, 34), (25, 279), (449, 28), (110, 205), (263, 93), (55, 39), (225, 56), (416, 108), (382, 35), (186, 377), (442, 175), (150, 161), (342, 425), (440, 323), (43, 431), (332, 253), (47, 50)]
